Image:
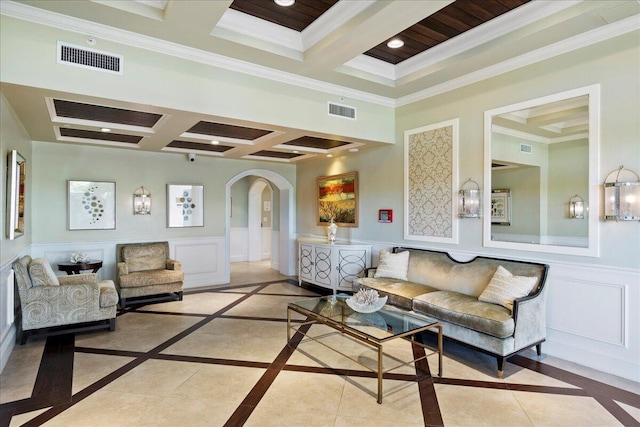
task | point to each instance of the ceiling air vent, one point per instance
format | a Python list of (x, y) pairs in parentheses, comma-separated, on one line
[(526, 148), (342, 111), (89, 58)]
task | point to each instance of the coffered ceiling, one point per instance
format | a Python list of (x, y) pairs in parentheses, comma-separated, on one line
[(339, 46)]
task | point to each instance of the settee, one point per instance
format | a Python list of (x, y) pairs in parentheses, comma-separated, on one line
[(61, 304), (145, 270), (493, 305)]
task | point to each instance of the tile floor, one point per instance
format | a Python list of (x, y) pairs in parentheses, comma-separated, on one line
[(219, 358)]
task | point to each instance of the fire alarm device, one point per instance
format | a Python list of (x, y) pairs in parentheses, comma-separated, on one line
[(385, 215)]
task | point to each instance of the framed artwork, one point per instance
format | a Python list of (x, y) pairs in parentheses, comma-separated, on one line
[(16, 178), (337, 199), (91, 205), (501, 207), (185, 205), (431, 182)]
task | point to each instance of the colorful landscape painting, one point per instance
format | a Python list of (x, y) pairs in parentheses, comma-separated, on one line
[(337, 198)]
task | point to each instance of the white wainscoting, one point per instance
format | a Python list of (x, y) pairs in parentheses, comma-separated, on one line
[(275, 249), (265, 241), (239, 244), (7, 330)]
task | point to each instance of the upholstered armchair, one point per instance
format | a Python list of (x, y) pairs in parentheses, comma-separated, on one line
[(145, 269), (48, 301)]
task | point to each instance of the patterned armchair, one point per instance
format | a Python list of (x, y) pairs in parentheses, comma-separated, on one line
[(47, 300), (145, 269)]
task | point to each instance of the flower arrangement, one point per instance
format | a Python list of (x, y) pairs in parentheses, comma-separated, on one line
[(79, 258)]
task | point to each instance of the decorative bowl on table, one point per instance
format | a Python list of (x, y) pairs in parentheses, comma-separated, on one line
[(366, 301)]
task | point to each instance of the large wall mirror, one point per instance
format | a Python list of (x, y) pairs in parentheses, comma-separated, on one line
[(538, 155), (16, 176)]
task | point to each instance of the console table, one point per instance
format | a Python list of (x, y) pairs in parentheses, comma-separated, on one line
[(76, 268), (332, 265)]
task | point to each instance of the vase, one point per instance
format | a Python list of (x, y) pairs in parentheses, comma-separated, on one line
[(332, 230)]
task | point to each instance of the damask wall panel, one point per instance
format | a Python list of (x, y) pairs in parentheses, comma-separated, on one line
[(431, 181)]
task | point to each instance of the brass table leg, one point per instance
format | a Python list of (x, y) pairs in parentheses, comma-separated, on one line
[(379, 374)]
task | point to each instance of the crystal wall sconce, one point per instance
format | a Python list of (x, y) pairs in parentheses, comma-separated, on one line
[(576, 207), (622, 196), (142, 202), (469, 200)]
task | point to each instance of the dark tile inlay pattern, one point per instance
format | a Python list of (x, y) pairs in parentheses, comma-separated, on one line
[(53, 385)]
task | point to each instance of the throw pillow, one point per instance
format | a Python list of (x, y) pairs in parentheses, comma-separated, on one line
[(504, 287), (41, 273), (393, 266)]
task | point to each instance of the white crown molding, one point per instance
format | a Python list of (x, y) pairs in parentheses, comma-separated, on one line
[(259, 29), (520, 134), (67, 23), (339, 14), (373, 66), (588, 38)]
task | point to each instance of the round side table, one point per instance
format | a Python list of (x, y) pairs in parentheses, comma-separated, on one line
[(76, 268)]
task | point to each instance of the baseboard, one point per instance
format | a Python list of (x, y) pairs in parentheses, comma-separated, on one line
[(600, 362), (6, 347)]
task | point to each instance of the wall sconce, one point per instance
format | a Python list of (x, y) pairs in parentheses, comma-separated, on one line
[(469, 200), (142, 202), (622, 198), (576, 207)]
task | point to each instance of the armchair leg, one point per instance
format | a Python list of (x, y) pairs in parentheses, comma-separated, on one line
[(23, 336), (180, 296), (123, 302), (539, 349), (112, 324), (501, 366)]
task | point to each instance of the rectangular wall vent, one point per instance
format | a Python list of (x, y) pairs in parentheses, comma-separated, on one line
[(89, 58), (526, 148), (342, 111)]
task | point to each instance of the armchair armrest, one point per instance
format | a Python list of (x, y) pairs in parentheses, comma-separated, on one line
[(77, 279), (122, 269), (174, 265), (70, 296)]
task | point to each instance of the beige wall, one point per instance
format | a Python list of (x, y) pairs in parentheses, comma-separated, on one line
[(54, 164), (613, 64), (14, 137)]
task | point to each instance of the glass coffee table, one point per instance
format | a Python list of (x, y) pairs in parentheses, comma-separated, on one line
[(372, 329)]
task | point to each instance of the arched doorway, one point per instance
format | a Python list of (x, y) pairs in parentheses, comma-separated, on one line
[(286, 243), (255, 220)]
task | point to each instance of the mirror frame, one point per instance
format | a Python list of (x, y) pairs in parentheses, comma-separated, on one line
[(15, 192), (593, 206)]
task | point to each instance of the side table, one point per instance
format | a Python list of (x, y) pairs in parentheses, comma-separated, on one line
[(76, 268)]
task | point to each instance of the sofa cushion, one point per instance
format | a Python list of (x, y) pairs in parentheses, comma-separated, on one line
[(467, 311), (147, 256), (108, 294), (504, 287), (399, 293), (393, 266), (151, 277), (41, 273)]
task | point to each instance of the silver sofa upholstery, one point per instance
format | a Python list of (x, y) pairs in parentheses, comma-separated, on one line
[(78, 299), (442, 288)]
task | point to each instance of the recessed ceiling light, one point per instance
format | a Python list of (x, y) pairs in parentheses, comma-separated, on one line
[(353, 150), (395, 43), (105, 130), (215, 142), (329, 155), (296, 151), (284, 2)]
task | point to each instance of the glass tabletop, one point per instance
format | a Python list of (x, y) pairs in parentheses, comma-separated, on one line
[(386, 323)]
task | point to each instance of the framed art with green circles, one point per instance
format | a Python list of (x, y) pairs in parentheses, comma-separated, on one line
[(91, 205)]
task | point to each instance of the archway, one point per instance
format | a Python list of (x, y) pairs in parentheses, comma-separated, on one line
[(255, 219), (286, 243)]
